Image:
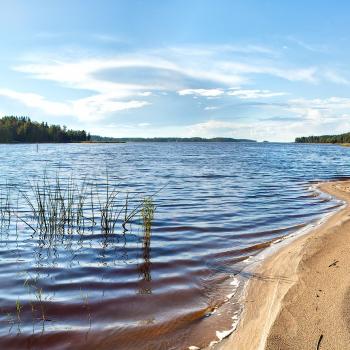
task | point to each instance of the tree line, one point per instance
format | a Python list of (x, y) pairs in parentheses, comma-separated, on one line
[(166, 139), (22, 129), (342, 138)]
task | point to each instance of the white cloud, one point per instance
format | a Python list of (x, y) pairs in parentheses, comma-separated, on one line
[(37, 101), (201, 92), (331, 105), (273, 130), (249, 130), (278, 130), (237, 92), (248, 94), (171, 69), (303, 117), (215, 64), (80, 75), (90, 108), (330, 102), (292, 74), (98, 106), (211, 108), (332, 109)]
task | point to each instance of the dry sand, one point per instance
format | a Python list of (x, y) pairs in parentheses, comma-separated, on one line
[(300, 297)]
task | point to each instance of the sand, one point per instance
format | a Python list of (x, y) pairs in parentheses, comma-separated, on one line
[(300, 297)]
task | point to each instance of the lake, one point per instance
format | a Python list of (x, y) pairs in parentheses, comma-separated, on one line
[(217, 206)]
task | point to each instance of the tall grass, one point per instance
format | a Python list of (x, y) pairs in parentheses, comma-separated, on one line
[(62, 205), (147, 215)]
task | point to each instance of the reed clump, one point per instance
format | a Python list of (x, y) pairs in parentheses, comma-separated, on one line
[(59, 206), (147, 214)]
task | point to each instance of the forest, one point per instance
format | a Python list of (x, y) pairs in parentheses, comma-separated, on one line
[(342, 138), (15, 129)]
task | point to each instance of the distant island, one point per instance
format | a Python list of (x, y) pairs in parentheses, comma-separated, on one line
[(15, 129), (95, 138), (342, 138), (21, 129)]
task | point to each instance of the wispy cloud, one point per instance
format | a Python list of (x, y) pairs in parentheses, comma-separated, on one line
[(211, 108), (331, 103), (308, 74), (37, 101), (201, 92), (90, 108), (277, 129), (335, 77), (307, 46), (320, 110), (200, 65), (254, 94), (244, 94), (254, 130), (302, 117), (134, 80)]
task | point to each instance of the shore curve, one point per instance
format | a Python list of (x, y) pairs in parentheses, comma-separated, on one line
[(299, 296)]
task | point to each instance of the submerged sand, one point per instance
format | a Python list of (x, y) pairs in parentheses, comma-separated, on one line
[(299, 297)]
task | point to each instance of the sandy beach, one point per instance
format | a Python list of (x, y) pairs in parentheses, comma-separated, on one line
[(299, 297)]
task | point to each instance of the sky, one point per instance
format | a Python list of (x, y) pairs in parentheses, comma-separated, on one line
[(257, 69)]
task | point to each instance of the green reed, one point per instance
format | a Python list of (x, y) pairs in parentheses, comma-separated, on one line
[(61, 206), (147, 215)]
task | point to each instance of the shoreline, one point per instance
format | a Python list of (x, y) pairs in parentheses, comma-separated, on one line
[(281, 299)]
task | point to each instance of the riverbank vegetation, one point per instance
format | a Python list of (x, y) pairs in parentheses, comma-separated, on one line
[(21, 129), (342, 138)]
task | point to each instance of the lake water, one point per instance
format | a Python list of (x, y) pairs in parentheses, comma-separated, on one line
[(219, 205)]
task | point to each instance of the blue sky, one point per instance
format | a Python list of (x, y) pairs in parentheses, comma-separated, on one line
[(267, 70)]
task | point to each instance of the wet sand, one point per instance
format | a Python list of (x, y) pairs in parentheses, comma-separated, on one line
[(300, 295)]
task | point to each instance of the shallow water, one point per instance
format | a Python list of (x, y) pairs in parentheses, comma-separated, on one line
[(219, 204)]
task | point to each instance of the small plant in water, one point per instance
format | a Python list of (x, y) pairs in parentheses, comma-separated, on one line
[(147, 214), (62, 206)]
